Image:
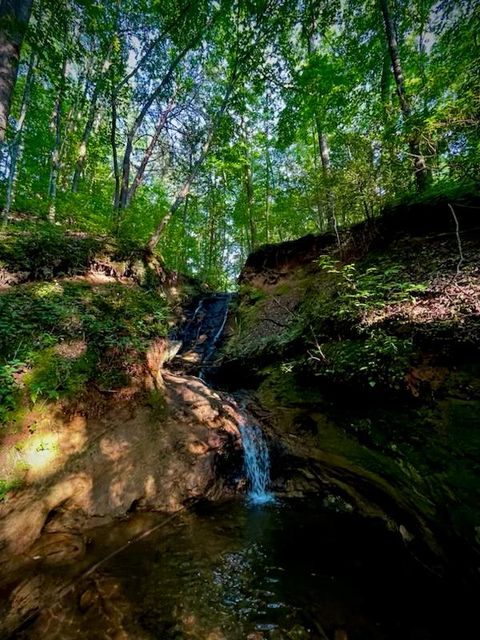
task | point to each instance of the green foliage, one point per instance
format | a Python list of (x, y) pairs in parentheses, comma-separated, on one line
[(44, 250), (6, 486), (377, 359), (369, 287), (313, 132), (9, 393), (55, 338)]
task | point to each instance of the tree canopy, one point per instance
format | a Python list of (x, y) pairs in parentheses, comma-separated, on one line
[(204, 128)]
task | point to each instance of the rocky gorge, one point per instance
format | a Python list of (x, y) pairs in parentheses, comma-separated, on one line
[(360, 364)]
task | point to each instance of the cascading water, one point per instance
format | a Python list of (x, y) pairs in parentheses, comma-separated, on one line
[(256, 462), (200, 337)]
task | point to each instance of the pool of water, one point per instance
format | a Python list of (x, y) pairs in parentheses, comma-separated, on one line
[(285, 570)]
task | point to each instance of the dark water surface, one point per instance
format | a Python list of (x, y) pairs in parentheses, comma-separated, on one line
[(286, 570)]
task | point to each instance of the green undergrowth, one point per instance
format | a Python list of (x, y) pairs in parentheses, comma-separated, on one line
[(326, 332), (356, 322), (346, 347), (44, 251), (57, 337)]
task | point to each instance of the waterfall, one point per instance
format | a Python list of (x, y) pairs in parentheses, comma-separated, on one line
[(256, 462)]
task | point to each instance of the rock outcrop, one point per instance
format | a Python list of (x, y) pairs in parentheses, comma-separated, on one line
[(363, 362)]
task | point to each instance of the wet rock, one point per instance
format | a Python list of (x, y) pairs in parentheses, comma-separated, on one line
[(130, 455), (58, 548)]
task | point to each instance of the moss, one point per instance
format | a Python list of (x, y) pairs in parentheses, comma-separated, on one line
[(158, 405), (8, 485), (46, 250), (57, 337)]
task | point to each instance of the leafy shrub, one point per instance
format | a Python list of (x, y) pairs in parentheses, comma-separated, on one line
[(45, 250), (378, 359), (372, 287), (55, 338)]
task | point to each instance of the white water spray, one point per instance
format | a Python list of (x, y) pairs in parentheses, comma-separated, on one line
[(256, 463)]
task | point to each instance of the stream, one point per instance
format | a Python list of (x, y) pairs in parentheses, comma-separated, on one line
[(251, 568), (285, 570)]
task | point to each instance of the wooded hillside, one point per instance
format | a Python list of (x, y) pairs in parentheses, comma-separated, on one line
[(206, 128)]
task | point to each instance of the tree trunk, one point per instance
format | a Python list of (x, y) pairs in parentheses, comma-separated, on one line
[(268, 168), (82, 152), (323, 141), (17, 140), (137, 181), (113, 142), (185, 189), (316, 164), (247, 173), (388, 149), (55, 155), (326, 169), (168, 77), (422, 173), (14, 18)]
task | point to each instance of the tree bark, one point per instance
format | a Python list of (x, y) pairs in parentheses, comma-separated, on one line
[(323, 141), (247, 173), (55, 155), (249, 195), (268, 169), (89, 126), (422, 173), (17, 139), (326, 170), (14, 18), (113, 142)]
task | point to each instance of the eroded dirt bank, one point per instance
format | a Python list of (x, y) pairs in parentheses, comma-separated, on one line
[(95, 426), (363, 366)]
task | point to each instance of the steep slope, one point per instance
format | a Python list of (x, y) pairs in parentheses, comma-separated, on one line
[(92, 425), (364, 362)]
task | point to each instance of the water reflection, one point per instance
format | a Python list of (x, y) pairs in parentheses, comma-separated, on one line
[(287, 571)]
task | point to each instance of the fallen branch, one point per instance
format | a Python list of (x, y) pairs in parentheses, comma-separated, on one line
[(70, 586), (459, 242), (279, 324)]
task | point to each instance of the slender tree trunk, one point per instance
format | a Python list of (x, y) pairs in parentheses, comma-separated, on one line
[(323, 145), (247, 173), (89, 125), (317, 163), (422, 173), (184, 235), (17, 140), (160, 89), (387, 145), (248, 187), (55, 155), (125, 180), (14, 18), (211, 230), (185, 189), (138, 179), (326, 169), (267, 190), (384, 83), (113, 142)]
